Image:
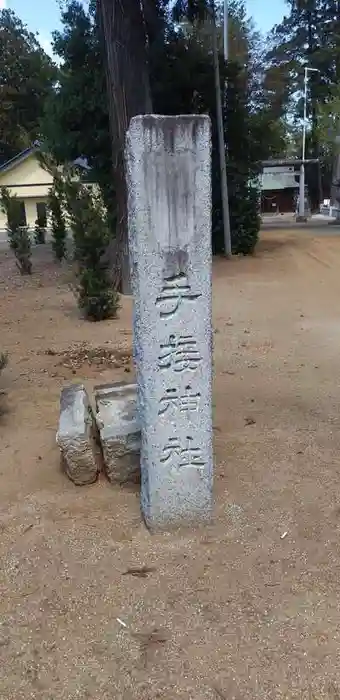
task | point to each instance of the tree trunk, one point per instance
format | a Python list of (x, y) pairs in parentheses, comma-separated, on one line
[(124, 42)]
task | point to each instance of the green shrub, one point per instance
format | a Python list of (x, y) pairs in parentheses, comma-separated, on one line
[(243, 166), (244, 217), (91, 232), (58, 226), (244, 220), (95, 296), (18, 235), (39, 231)]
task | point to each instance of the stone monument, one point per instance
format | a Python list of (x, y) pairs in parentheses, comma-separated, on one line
[(169, 216)]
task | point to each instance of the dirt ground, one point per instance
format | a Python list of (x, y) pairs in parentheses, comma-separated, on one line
[(246, 608)]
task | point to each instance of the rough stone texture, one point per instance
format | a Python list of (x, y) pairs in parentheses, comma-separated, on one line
[(169, 208), (76, 435), (119, 428)]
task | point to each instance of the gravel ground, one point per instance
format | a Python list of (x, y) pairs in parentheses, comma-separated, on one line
[(93, 606)]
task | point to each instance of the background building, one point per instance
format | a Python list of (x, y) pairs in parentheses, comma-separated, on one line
[(26, 178), (279, 188)]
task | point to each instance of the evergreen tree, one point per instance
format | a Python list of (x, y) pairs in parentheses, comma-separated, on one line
[(181, 81), (58, 225), (27, 78), (91, 234), (18, 235), (76, 118), (308, 36), (40, 229), (242, 150)]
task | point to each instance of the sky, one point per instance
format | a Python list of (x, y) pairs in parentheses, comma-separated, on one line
[(266, 13), (42, 16)]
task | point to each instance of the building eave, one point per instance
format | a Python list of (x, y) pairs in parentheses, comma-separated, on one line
[(288, 161), (19, 158)]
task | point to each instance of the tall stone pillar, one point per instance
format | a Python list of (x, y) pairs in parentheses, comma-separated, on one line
[(168, 163)]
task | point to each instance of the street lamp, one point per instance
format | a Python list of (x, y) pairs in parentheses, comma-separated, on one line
[(302, 215)]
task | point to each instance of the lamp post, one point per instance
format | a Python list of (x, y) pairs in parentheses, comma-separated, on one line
[(302, 215)]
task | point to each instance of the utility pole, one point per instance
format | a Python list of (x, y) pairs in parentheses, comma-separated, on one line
[(220, 129), (302, 213), (225, 31)]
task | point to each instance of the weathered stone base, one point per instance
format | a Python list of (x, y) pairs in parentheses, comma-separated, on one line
[(174, 510), (118, 425), (76, 435)]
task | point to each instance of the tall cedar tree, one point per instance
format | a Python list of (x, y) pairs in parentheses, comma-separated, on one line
[(128, 89)]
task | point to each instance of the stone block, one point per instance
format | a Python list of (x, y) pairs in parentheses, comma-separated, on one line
[(76, 435), (168, 165), (118, 424)]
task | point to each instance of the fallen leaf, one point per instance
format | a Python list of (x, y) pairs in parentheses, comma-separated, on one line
[(139, 572)]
